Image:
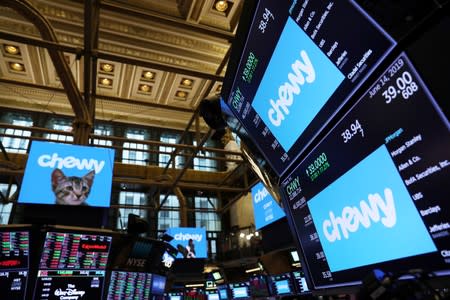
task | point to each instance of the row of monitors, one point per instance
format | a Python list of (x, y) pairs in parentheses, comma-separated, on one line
[(76, 264), (355, 124), (290, 283)]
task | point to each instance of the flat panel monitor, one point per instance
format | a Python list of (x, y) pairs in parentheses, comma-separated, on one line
[(129, 285), (223, 291), (239, 290), (266, 209), (282, 284), (299, 65), (258, 286), (174, 296), (189, 241), (300, 283), (373, 193), (72, 263), (14, 262), (158, 284), (212, 295), (65, 174)]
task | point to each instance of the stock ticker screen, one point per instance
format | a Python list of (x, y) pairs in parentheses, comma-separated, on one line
[(301, 62), (129, 285), (14, 263), (72, 264), (373, 192)]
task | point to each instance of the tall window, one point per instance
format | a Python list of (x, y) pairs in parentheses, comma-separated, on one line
[(169, 214), (202, 162), (134, 199), (5, 209), (135, 153), (104, 131), (165, 152), (62, 125), (208, 219), (16, 144)]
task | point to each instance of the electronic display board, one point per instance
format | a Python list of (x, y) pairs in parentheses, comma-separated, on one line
[(72, 265), (239, 290), (380, 174), (282, 284), (129, 285), (14, 262), (301, 62), (300, 282), (265, 208)]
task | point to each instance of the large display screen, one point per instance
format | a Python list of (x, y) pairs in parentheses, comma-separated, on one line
[(129, 285), (66, 174), (69, 284), (301, 62), (265, 208), (72, 266), (373, 193), (189, 241), (84, 251), (14, 263)]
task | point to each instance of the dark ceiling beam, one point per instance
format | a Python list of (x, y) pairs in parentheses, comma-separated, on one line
[(29, 12)]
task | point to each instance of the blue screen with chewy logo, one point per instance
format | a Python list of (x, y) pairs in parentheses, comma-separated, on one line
[(367, 216), (72, 161), (299, 80), (189, 241), (265, 209)]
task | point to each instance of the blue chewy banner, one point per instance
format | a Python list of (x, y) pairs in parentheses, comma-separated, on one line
[(300, 80), (189, 241), (265, 209), (367, 216), (67, 175)]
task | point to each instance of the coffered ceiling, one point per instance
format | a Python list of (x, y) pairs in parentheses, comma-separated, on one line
[(153, 61)]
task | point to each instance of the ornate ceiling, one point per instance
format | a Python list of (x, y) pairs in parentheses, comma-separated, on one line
[(147, 62)]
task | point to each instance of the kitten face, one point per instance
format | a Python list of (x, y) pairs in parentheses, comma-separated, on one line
[(71, 190)]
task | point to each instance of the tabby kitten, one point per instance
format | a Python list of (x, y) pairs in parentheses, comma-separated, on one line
[(71, 190)]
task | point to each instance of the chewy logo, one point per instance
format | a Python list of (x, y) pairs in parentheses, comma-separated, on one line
[(69, 162), (302, 71), (260, 195), (187, 236), (352, 217)]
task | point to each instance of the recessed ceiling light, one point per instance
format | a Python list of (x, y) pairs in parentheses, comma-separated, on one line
[(148, 75), (105, 81), (186, 82), (10, 49), (107, 67), (17, 66), (221, 5), (181, 94), (145, 88)]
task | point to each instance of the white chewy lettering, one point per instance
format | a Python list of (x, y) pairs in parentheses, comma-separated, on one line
[(368, 213), (281, 106), (260, 195), (187, 236), (69, 162)]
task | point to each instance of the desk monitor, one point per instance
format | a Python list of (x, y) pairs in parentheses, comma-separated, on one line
[(129, 285), (282, 284)]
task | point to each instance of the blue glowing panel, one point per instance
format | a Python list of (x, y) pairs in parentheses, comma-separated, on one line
[(190, 242), (265, 208), (66, 172), (368, 220)]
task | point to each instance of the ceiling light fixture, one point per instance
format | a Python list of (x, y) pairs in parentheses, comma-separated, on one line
[(145, 88), (221, 5), (181, 94), (186, 82), (148, 75), (17, 66), (105, 81), (10, 49), (107, 67)]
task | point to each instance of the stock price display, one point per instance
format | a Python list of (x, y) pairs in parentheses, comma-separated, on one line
[(381, 173)]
